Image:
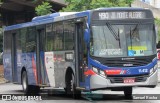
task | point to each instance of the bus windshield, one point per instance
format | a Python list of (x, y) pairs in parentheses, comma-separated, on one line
[(117, 40)]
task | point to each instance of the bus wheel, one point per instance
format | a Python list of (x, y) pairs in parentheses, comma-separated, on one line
[(71, 88), (128, 92), (24, 82), (28, 89)]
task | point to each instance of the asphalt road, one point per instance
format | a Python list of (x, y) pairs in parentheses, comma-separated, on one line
[(58, 96)]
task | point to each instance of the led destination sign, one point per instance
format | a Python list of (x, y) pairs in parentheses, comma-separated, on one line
[(119, 15)]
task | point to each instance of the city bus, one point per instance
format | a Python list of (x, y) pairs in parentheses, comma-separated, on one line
[(104, 48)]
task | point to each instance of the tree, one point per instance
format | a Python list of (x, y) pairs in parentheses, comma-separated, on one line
[(80, 5), (157, 22), (43, 9), (1, 4)]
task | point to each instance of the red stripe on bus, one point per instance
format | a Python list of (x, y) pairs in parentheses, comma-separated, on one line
[(89, 72), (46, 67), (34, 69), (113, 72)]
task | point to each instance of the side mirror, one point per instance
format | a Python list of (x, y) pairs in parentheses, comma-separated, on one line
[(86, 35)]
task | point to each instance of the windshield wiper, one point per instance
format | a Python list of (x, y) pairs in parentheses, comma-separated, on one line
[(114, 33), (135, 28), (130, 35), (116, 36), (119, 39)]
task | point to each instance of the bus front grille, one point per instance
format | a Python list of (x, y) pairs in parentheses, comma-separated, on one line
[(125, 61), (120, 79), (130, 63)]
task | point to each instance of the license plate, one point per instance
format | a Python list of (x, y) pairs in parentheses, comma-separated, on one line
[(128, 80)]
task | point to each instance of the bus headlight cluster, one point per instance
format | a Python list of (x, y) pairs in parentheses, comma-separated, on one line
[(152, 70), (99, 72), (95, 70), (155, 67)]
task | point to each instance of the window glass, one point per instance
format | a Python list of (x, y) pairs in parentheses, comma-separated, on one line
[(7, 41), (122, 40), (31, 40), (22, 38), (49, 33), (68, 35), (58, 36), (54, 36)]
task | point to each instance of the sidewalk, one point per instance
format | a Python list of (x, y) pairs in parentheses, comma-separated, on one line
[(2, 80)]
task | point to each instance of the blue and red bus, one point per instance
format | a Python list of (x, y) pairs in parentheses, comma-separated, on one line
[(105, 48)]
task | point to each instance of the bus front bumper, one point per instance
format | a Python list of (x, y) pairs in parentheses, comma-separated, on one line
[(98, 82)]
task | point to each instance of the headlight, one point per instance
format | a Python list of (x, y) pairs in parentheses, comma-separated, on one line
[(99, 72), (152, 70), (95, 70), (155, 67)]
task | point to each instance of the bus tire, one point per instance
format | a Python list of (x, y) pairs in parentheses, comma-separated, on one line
[(128, 92), (24, 82), (71, 87), (29, 89)]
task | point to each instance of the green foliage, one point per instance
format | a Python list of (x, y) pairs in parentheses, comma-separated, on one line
[(157, 22), (43, 9), (80, 5), (1, 4)]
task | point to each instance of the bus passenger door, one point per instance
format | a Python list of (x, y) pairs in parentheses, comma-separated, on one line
[(81, 56), (41, 73), (14, 57)]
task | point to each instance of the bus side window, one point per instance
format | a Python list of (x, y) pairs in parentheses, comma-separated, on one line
[(49, 38), (68, 35), (7, 41), (31, 40), (58, 36), (22, 38)]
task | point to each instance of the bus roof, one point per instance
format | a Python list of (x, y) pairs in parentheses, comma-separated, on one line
[(39, 20), (121, 8), (62, 16), (51, 16)]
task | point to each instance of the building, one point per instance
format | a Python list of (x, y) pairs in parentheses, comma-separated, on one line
[(141, 4), (146, 1), (154, 3), (19, 11)]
